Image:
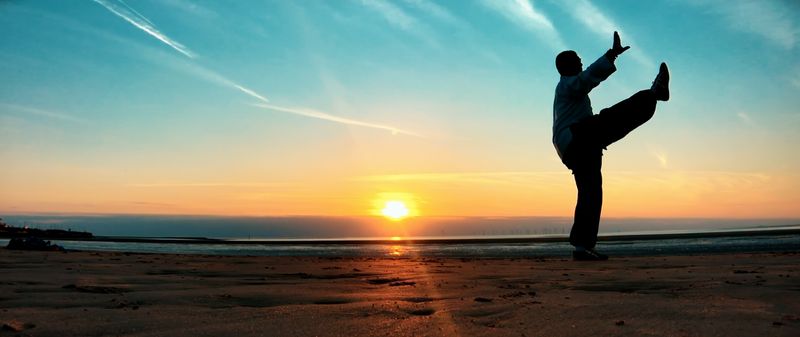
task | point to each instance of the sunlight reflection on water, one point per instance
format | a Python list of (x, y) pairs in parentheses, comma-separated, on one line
[(517, 250)]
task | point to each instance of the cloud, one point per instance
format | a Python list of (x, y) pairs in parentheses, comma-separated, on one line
[(249, 92), (659, 154), (397, 17), (204, 184), (393, 14), (662, 158), (441, 14), (795, 78), (774, 21), (195, 69), (601, 25), (192, 8), (328, 117), (435, 10), (42, 112), (496, 177), (745, 117), (523, 14), (129, 14), (121, 9)]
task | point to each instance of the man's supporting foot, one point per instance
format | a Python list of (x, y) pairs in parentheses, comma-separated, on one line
[(588, 255), (661, 84)]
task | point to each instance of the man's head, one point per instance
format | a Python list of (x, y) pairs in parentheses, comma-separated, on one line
[(568, 63)]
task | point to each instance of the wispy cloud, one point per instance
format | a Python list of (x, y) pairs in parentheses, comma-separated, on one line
[(443, 15), (249, 92), (435, 10), (121, 9), (392, 13), (396, 16), (601, 25), (744, 117), (662, 158), (774, 21), (195, 69), (795, 78), (523, 14), (42, 112), (204, 184), (130, 15), (496, 177), (659, 154), (190, 7), (326, 116)]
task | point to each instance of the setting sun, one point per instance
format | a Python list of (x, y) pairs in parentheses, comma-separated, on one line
[(395, 206), (395, 210)]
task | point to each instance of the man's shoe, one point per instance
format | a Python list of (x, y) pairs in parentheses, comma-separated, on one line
[(661, 84), (588, 255)]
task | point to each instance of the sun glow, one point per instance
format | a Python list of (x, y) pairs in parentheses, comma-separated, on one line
[(395, 210), (395, 206)]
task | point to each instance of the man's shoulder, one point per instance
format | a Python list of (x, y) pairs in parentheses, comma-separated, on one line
[(565, 84)]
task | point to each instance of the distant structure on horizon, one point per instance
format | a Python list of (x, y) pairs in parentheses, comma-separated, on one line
[(7, 231)]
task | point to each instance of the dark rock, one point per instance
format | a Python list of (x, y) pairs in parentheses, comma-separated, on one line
[(96, 289), (33, 243), (418, 299), (17, 326), (383, 280), (422, 312)]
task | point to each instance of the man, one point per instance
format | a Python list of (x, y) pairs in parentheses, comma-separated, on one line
[(581, 136)]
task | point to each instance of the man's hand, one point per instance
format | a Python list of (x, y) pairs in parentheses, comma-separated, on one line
[(617, 48)]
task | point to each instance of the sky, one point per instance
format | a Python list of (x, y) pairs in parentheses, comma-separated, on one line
[(331, 108)]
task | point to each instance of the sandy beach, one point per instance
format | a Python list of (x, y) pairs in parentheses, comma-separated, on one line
[(126, 294)]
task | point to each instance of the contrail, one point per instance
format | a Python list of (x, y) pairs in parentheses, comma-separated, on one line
[(321, 115), (213, 76), (42, 112), (122, 10), (133, 17), (250, 92)]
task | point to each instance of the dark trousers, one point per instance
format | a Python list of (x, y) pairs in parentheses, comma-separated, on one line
[(584, 157)]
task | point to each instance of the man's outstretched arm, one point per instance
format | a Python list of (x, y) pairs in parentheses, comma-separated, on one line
[(597, 72)]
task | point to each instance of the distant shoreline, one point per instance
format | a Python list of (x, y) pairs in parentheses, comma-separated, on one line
[(794, 230)]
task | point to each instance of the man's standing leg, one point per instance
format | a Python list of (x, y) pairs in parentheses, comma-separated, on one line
[(589, 181)]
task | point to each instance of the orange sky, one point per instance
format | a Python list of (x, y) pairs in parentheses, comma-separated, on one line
[(627, 194), (331, 107)]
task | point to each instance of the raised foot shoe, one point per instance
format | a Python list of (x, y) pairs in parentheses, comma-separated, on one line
[(661, 84), (588, 255)]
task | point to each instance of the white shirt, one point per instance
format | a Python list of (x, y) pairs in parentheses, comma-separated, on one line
[(572, 103)]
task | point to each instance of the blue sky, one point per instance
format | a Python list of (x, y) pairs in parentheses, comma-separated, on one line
[(312, 107)]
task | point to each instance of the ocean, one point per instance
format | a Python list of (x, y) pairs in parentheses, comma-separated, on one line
[(782, 239), (518, 237), (318, 227)]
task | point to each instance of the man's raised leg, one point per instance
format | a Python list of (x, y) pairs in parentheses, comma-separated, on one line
[(622, 118)]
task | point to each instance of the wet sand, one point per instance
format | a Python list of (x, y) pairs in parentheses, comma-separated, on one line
[(125, 294)]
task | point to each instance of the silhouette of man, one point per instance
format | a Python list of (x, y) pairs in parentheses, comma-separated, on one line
[(581, 136)]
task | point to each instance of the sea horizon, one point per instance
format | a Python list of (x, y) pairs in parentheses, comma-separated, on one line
[(368, 228), (512, 237)]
